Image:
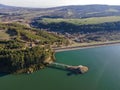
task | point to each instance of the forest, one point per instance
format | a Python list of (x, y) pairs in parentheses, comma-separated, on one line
[(26, 49)]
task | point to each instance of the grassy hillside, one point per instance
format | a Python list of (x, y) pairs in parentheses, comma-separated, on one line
[(84, 21)]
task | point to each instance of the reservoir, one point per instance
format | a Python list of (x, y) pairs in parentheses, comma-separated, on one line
[(103, 74)]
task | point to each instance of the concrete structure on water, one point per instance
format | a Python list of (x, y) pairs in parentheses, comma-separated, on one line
[(76, 69)]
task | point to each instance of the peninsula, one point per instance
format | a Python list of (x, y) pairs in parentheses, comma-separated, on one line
[(26, 49)]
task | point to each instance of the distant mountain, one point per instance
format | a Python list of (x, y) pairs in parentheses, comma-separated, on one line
[(77, 11), (2, 6), (83, 11), (5, 6)]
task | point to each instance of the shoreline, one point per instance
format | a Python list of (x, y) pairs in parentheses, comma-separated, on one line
[(69, 48)]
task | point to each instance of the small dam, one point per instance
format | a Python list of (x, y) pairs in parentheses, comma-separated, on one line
[(80, 69)]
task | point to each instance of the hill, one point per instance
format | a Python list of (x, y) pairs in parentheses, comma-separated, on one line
[(80, 11), (86, 30), (4, 6), (25, 49), (84, 23)]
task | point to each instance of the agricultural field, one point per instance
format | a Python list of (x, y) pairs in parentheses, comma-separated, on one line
[(83, 21)]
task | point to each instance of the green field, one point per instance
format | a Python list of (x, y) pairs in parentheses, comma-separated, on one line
[(93, 20)]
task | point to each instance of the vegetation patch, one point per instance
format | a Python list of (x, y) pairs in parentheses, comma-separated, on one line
[(4, 35)]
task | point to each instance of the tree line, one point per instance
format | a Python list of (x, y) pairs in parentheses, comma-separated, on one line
[(64, 27)]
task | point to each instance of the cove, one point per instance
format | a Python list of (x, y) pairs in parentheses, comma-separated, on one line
[(104, 74)]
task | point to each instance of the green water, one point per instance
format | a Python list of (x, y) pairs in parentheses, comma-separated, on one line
[(103, 74)]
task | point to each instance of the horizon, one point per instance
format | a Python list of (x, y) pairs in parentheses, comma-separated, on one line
[(56, 6), (51, 3)]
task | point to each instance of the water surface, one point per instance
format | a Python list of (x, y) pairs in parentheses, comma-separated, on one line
[(103, 74)]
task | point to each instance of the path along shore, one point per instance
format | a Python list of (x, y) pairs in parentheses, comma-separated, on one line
[(68, 48)]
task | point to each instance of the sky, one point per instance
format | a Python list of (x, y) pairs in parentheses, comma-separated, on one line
[(54, 3)]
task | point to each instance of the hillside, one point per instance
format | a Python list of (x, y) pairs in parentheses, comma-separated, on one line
[(84, 23), (25, 49), (86, 30), (26, 34), (80, 11)]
